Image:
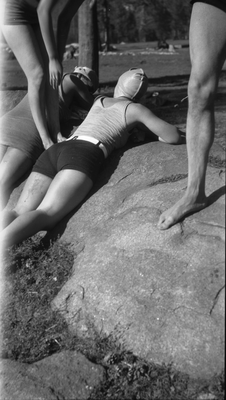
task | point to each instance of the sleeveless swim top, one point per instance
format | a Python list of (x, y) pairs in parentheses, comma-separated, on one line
[(108, 125)]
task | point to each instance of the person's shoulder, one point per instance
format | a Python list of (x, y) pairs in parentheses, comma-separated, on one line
[(98, 97), (135, 107), (135, 112), (98, 100)]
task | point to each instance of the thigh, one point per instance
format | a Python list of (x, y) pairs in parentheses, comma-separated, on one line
[(3, 150), (207, 40), (24, 44), (14, 165), (67, 190), (34, 191)]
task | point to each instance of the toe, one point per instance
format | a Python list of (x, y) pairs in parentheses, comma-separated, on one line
[(165, 222)]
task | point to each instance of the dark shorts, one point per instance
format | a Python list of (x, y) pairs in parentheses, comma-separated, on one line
[(221, 4), (74, 154), (19, 12)]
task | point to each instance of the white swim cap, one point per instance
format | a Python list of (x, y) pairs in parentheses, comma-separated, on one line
[(132, 84), (90, 75)]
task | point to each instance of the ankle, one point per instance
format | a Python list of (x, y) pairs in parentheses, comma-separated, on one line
[(195, 195)]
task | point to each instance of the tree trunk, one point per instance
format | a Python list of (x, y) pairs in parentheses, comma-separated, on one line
[(88, 35), (106, 26)]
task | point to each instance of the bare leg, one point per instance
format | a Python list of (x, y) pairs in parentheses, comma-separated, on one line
[(208, 52), (24, 44), (65, 192), (3, 150), (13, 166), (32, 195)]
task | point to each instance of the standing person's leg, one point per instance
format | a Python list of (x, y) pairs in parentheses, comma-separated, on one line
[(14, 165), (66, 191), (22, 41), (208, 51)]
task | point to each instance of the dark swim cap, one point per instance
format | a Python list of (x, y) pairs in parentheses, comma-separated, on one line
[(90, 75)]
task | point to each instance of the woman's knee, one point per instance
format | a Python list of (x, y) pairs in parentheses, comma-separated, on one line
[(6, 182), (201, 93), (36, 77), (66, 79), (49, 217)]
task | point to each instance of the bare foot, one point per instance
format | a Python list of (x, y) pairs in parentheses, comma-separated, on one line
[(183, 207)]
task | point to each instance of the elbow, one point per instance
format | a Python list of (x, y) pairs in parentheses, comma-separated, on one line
[(179, 140), (182, 139), (174, 140)]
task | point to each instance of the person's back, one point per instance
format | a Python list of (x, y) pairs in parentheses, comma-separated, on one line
[(106, 122)]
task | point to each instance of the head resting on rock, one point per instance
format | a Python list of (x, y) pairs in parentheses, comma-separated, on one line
[(132, 84)]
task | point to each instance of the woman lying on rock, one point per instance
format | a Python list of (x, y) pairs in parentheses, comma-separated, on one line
[(64, 174), (20, 142)]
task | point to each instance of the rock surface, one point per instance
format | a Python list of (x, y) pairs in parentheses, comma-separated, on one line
[(161, 293), (66, 375)]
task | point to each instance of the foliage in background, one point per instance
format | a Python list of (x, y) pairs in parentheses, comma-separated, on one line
[(138, 20)]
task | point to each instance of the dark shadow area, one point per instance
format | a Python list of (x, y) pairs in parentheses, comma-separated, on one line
[(212, 198)]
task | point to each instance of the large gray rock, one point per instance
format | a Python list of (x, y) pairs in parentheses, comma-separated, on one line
[(66, 375), (160, 293)]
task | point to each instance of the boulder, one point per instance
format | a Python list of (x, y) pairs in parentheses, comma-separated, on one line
[(160, 293), (65, 375)]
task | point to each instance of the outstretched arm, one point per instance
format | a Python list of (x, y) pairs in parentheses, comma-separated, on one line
[(63, 24), (138, 114)]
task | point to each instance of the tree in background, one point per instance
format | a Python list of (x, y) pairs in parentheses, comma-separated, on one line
[(106, 21), (88, 35), (145, 20), (131, 21), (135, 20), (163, 20)]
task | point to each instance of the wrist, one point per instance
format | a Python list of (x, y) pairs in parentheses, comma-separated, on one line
[(53, 58)]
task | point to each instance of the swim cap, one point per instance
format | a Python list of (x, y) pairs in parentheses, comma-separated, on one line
[(132, 84), (90, 75)]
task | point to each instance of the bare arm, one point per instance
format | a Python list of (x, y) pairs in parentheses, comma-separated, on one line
[(63, 24), (138, 114), (45, 19)]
